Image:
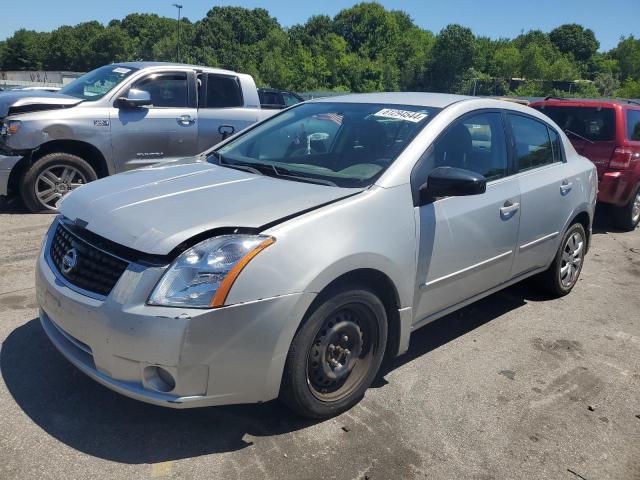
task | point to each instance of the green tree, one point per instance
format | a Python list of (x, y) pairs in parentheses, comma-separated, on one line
[(627, 53), (576, 40), (111, 45), (453, 54), (25, 50), (506, 62), (606, 83)]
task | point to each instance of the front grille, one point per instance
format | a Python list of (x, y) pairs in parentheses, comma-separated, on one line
[(93, 269)]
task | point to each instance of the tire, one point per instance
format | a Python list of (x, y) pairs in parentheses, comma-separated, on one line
[(627, 218), (344, 337), (51, 177), (553, 280)]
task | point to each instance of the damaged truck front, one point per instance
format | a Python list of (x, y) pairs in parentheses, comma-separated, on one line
[(116, 118)]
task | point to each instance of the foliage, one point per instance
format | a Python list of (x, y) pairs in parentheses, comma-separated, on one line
[(363, 48)]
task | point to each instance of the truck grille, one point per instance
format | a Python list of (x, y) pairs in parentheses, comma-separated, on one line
[(84, 265)]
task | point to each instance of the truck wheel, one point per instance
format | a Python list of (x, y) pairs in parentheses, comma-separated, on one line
[(51, 177), (335, 355), (563, 273), (627, 218)]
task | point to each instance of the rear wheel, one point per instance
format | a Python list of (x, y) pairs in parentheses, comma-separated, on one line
[(335, 354), (51, 177), (563, 273), (628, 217)]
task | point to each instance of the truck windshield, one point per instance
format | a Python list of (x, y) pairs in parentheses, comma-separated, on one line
[(97, 83), (343, 144)]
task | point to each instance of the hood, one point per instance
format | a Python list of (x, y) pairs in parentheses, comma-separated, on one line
[(23, 101), (153, 210)]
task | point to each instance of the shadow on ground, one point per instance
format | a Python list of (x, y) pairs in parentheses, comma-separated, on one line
[(90, 418)]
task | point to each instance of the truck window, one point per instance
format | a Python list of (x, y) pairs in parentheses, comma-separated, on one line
[(223, 91), (633, 125), (167, 90), (290, 99)]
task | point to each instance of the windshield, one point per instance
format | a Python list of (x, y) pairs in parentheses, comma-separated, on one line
[(97, 83), (344, 144)]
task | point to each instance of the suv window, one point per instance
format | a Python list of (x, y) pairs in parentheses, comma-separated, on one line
[(532, 142), (223, 91), (633, 125), (475, 143), (167, 90), (594, 123)]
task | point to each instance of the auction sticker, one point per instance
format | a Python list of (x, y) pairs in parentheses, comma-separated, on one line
[(414, 117), (121, 70)]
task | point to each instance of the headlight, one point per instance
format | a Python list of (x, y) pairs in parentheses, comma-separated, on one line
[(202, 276), (10, 128)]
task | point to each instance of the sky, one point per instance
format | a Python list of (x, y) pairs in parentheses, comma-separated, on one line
[(609, 19)]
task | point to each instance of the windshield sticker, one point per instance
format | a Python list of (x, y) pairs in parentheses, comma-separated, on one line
[(414, 117), (121, 70)]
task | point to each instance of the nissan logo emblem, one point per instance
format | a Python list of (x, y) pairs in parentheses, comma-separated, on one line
[(69, 261)]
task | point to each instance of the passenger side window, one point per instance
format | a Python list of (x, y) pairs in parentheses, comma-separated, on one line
[(223, 91), (532, 143), (167, 90), (476, 143), (633, 125)]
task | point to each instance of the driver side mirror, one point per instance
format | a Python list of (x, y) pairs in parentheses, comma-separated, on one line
[(135, 99), (451, 182)]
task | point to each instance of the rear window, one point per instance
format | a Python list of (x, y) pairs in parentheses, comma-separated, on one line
[(593, 123), (633, 125)]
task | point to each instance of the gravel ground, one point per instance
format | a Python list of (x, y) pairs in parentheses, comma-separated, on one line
[(515, 386)]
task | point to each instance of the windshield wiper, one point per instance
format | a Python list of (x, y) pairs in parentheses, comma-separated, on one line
[(571, 132), (238, 166), (283, 172)]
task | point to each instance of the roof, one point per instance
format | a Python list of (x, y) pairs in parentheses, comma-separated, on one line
[(419, 99), (142, 65), (595, 102)]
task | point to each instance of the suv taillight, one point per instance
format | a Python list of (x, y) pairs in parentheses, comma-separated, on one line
[(622, 158)]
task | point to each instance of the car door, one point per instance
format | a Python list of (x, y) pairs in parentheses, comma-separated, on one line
[(163, 131), (221, 109), (546, 186), (466, 244)]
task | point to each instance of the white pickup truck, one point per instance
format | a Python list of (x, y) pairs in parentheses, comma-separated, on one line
[(116, 118)]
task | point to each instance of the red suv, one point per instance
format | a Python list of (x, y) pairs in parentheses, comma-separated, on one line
[(607, 132)]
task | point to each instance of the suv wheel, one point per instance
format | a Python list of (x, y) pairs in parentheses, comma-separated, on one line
[(563, 273), (627, 218), (51, 177), (335, 355)]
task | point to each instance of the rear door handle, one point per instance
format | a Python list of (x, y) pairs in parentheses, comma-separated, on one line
[(565, 187), (509, 208), (186, 120)]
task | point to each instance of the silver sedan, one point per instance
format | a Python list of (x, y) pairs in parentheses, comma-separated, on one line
[(289, 260)]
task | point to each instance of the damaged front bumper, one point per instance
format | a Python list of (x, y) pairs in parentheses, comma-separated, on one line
[(173, 357)]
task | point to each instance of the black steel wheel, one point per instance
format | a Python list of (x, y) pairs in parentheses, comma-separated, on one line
[(335, 354)]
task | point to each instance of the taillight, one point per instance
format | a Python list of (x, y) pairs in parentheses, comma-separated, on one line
[(622, 158)]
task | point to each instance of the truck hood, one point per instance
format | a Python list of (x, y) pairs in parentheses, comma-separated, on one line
[(153, 210), (23, 101)]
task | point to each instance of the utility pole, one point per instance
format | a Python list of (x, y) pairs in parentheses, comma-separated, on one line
[(179, 7)]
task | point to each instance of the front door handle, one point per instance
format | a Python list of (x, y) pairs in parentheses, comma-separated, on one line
[(565, 187), (509, 208), (186, 120)]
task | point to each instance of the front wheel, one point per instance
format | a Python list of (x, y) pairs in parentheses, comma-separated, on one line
[(627, 218), (336, 354), (563, 273), (51, 177)]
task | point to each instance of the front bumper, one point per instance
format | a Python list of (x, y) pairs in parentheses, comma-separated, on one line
[(6, 165), (229, 355)]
